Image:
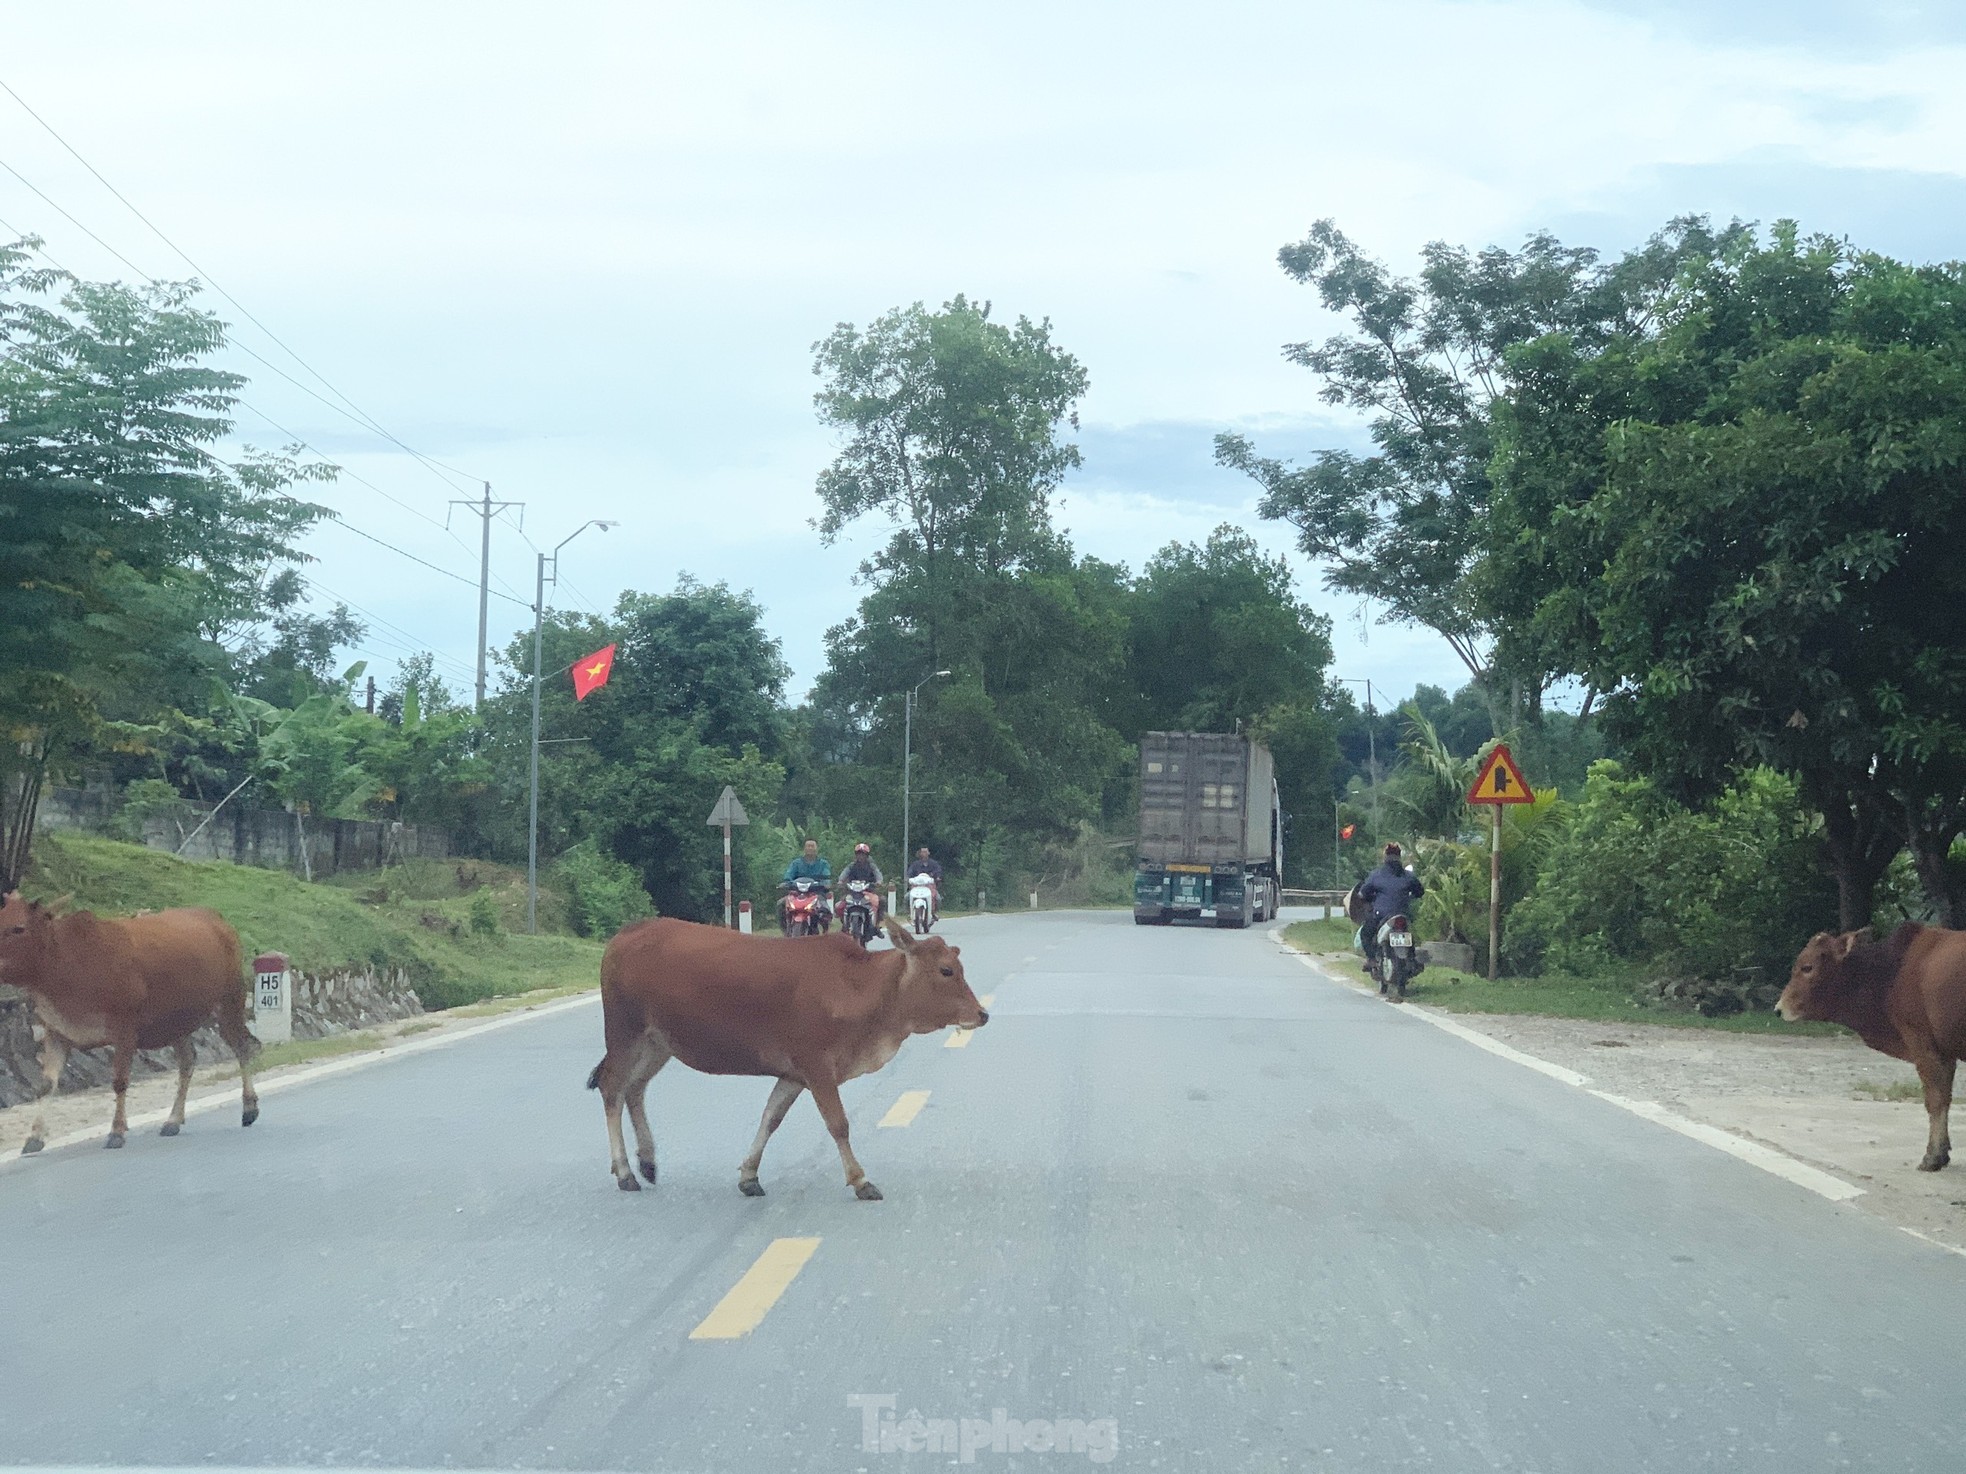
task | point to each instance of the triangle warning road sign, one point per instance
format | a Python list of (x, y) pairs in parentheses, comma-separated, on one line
[(1501, 781)]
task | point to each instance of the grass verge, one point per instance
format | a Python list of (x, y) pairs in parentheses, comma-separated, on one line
[(324, 928), (1600, 999)]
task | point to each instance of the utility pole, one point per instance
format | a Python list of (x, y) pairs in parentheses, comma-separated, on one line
[(1371, 747), (486, 510), (907, 766)]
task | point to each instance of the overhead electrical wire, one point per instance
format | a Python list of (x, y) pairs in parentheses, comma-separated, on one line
[(360, 415), (354, 412), (337, 520)]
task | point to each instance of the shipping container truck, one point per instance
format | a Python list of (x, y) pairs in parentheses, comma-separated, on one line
[(1211, 831)]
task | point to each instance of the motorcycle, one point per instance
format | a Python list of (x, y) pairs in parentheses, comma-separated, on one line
[(1398, 960), (857, 912), (806, 911), (921, 902)]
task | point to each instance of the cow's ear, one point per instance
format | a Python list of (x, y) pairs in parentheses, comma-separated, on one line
[(903, 939), (60, 904), (1847, 943)]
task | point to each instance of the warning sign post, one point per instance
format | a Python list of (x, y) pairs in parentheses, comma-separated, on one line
[(1500, 782)]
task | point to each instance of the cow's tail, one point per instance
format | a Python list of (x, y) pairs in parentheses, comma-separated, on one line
[(594, 1075)]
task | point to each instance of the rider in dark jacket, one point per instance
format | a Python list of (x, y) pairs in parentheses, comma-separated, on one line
[(1387, 891), (863, 868)]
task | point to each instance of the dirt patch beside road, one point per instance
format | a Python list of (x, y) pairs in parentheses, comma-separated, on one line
[(1805, 1096)]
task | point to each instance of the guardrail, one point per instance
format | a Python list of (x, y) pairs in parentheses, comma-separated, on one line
[(1333, 902)]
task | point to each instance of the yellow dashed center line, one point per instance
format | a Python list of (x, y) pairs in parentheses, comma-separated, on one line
[(958, 1040), (988, 1000), (739, 1312), (904, 1110)]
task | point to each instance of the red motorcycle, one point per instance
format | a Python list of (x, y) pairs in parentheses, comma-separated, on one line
[(807, 911)]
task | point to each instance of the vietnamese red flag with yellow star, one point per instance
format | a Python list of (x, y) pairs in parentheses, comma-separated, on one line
[(591, 672)]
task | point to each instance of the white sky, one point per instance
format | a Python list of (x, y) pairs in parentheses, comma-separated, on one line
[(582, 251)]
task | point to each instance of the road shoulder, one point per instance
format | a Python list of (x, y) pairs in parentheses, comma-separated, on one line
[(1799, 1098)]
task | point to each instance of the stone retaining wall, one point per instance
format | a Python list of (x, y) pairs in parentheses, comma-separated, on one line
[(330, 1003)]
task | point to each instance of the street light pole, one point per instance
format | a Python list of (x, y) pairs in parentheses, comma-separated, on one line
[(1371, 745), (907, 765), (538, 624)]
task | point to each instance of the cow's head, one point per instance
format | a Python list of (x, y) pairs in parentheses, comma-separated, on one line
[(1817, 982), (934, 994), (23, 936)]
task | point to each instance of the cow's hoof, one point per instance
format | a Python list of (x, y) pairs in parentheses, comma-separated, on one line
[(648, 1171), (32, 1145), (867, 1193), (169, 1128), (628, 1184), (115, 1140), (1933, 1162), (751, 1187), (249, 1115)]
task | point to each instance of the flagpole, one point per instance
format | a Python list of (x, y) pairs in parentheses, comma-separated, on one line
[(532, 809)]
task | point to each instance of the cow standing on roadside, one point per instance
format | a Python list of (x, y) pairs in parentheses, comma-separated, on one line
[(140, 983), (812, 1011), (1904, 996)]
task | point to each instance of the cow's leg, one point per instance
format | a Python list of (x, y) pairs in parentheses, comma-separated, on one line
[(611, 1079), (239, 1039), (1937, 1076), (187, 1057), (653, 1055), (125, 1054), (827, 1098), (782, 1095), (54, 1054)]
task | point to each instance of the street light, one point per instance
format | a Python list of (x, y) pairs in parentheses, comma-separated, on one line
[(907, 764), (538, 620), (1371, 745)]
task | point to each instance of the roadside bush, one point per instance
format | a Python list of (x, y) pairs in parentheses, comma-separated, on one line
[(146, 799), (1690, 896), (603, 894), (484, 914)]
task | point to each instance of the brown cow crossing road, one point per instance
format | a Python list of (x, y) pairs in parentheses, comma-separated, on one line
[(1180, 1186)]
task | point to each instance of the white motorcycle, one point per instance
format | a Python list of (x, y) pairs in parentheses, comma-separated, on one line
[(921, 902)]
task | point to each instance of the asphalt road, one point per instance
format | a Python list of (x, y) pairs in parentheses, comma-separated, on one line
[(1182, 1204)]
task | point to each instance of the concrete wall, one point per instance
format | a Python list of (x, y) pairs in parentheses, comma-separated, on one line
[(269, 838)]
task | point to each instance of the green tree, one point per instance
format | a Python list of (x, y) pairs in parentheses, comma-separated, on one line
[(121, 530), (1425, 360), (1740, 518)]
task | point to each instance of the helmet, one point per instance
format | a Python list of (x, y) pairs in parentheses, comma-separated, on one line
[(861, 849)]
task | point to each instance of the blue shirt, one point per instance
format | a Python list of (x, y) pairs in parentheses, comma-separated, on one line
[(803, 869)]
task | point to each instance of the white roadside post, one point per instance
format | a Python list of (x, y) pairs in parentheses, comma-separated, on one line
[(273, 998), (729, 811), (744, 917)]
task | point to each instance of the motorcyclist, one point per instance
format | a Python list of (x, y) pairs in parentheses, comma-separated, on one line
[(1387, 890), (863, 868), (923, 864), (808, 865)]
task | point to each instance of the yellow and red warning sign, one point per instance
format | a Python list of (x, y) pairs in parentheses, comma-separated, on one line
[(1501, 781)]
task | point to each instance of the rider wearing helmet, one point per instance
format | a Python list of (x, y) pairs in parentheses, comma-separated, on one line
[(864, 868), (1386, 890)]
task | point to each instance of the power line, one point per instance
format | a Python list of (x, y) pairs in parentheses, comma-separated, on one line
[(337, 520), (243, 348), (361, 415)]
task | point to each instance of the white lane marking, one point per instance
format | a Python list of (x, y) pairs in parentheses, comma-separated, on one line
[(274, 1084), (1767, 1158), (1935, 1243)]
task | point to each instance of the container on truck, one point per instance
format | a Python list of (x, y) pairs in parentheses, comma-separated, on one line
[(1211, 830)]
